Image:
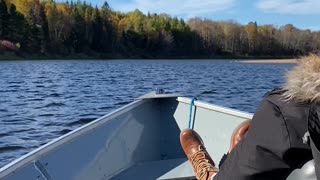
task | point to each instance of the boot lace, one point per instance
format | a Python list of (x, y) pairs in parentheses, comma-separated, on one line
[(202, 164)]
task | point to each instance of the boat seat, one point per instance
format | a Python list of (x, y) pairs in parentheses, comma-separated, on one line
[(162, 170)]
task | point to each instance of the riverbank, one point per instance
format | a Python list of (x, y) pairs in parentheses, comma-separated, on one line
[(83, 56), (271, 61), (12, 56)]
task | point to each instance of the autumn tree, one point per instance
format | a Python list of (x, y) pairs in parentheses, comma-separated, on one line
[(252, 31)]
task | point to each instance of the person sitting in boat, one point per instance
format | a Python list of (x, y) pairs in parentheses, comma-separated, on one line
[(275, 143), (314, 135)]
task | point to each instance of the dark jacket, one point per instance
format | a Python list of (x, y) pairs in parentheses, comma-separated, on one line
[(275, 145), (314, 132)]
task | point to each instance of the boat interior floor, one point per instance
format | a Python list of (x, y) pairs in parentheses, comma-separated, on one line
[(178, 168)]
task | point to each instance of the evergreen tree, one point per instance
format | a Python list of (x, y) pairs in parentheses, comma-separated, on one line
[(34, 32), (18, 26), (44, 30), (4, 18), (77, 38), (97, 40)]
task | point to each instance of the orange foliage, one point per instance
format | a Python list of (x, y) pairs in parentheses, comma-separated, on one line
[(22, 5), (63, 7)]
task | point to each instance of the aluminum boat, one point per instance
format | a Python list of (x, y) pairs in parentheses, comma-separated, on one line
[(137, 141)]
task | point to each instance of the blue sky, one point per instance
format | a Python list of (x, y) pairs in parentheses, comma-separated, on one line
[(304, 14)]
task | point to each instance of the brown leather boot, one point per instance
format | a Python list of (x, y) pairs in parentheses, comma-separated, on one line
[(238, 134), (193, 147)]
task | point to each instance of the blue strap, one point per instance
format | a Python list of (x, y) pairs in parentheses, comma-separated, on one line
[(190, 113)]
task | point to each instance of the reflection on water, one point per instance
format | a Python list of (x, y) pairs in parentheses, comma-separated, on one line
[(41, 100)]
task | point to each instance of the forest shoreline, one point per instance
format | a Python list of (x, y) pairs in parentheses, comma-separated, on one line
[(76, 30), (247, 59)]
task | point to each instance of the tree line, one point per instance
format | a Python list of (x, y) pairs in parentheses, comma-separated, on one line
[(47, 27)]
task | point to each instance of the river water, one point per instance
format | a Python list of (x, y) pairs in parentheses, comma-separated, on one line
[(42, 100)]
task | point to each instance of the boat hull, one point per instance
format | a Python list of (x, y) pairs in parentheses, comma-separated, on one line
[(139, 141)]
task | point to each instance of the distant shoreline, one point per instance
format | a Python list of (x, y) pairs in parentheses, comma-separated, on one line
[(245, 59), (271, 61)]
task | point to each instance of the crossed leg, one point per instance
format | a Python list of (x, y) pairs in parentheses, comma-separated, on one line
[(193, 147)]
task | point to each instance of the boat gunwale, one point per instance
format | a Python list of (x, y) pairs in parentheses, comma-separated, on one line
[(216, 108), (30, 157)]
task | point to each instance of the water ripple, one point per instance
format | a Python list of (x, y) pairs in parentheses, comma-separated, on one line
[(54, 105), (10, 148), (81, 121)]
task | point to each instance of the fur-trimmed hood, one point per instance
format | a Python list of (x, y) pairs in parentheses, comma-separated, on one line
[(303, 81)]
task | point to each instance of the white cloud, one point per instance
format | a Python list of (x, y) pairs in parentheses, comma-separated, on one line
[(301, 7), (181, 8)]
